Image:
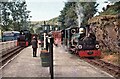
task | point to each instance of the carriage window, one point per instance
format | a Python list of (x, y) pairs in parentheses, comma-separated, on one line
[(8, 34)]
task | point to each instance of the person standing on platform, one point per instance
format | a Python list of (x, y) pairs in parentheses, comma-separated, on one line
[(34, 46)]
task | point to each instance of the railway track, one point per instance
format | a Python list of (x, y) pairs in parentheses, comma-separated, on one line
[(7, 55), (106, 66)]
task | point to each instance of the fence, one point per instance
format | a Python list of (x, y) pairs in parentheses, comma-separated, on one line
[(4, 46)]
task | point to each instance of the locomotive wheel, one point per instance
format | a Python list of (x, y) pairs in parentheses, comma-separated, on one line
[(70, 51)]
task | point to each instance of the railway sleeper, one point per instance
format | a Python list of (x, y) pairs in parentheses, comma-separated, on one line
[(113, 67), (96, 62), (4, 53), (9, 54), (109, 68), (4, 59), (110, 65), (107, 63), (115, 73)]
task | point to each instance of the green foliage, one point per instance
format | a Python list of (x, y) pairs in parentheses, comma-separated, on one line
[(89, 11), (38, 30), (31, 30), (53, 21), (68, 16), (14, 15), (112, 9)]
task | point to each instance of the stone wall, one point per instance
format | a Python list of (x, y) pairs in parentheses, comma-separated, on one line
[(107, 30)]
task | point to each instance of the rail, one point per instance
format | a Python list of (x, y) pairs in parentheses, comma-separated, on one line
[(108, 67), (8, 50)]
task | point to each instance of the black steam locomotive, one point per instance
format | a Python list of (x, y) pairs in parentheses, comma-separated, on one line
[(24, 39), (80, 41)]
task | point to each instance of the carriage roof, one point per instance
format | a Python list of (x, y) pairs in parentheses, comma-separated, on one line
[(11, 32)]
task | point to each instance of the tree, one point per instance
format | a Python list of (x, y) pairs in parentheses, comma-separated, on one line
[(20, 15), (38, 30), (5, 15), (89, 11), (68, 16), (15, 15), (111, 9)]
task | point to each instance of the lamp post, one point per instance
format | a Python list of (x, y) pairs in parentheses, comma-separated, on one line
[(0, 21), (45, 28)]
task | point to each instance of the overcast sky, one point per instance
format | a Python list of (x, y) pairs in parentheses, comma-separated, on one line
[(48, 9)]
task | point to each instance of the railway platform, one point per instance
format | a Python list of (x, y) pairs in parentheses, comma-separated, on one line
[(65, 65), (69, 65), (25, 65)]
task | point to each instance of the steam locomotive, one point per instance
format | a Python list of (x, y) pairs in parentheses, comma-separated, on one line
[(24, 38), (80, 41)]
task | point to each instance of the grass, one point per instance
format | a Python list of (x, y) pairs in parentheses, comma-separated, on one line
[(111, 57)]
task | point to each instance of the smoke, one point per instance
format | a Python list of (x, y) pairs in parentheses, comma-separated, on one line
[(79, 12)]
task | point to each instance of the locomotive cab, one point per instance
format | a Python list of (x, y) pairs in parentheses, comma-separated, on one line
[(68, 36), (77, 37)]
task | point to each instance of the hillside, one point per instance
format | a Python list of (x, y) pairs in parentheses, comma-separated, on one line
[(106, 26), (52, 21), (111, 9)]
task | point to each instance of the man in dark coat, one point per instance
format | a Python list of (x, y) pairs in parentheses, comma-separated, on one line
[(34, 46)]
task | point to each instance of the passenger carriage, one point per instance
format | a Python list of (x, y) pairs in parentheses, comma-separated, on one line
[(10, 35)]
